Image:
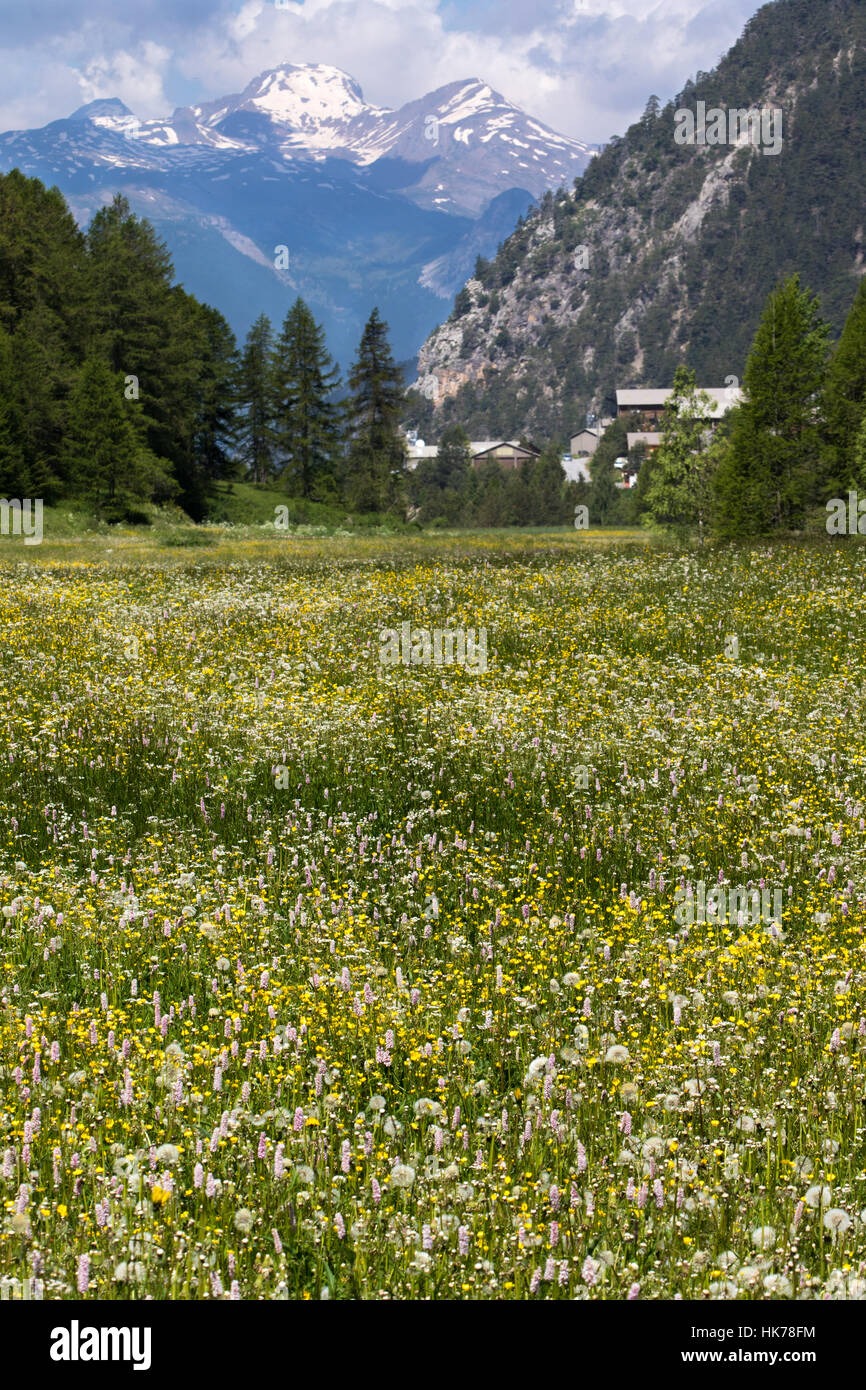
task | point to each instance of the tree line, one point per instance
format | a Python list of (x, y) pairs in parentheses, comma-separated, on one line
[(119, 388)]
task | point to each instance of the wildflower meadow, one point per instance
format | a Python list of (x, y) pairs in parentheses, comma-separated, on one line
[(329, 977)]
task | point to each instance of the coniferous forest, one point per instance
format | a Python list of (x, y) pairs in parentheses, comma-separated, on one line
[(120, 390)]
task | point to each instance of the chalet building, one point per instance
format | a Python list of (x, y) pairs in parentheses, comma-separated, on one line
[(584, 444), (651, 438), (508, 453)]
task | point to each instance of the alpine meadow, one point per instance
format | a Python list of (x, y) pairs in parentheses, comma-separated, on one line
[(432, 773)]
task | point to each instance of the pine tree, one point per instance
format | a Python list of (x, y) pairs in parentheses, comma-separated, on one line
[(546, 480), (491, 495), (462, 303), (308, 420), (438, 486), (677, 494), (105, 462), (768, 473), (453, 458), (130, 278), (845, 400), (12, 482), (215, 412), (41, 381), (377, 456), (149, 329), (254, 432), (516, 500), (604, 492), (858, 479), (66, 299), (42, 273)]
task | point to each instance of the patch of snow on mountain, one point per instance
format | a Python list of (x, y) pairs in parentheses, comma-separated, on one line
[(309, 96)]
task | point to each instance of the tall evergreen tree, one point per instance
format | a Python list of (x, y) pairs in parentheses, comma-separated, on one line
[(377, 455), (767, 474), (130, 280), (438, 486), (69, 300), (545, 491), (216, 398), (147, 328), (308, 420), (43, 272), (516, 503), (845, 400), (604, 492), (254, 432), (42, 259), (491, 495), (105, 460), (12, 474)]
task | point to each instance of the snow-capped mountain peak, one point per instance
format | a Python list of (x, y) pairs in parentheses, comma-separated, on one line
[(467, 99), (306, 96), (470, 142), (307, 105), (110, 114), (300, 159)]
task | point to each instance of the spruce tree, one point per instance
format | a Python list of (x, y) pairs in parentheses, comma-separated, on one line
[(147, 328), (105, 461), (254, 430), (603, 489), (215, 397), (845, 400), (767, 474), (308, 420), (12, 478), (545, 487), (377, 456)]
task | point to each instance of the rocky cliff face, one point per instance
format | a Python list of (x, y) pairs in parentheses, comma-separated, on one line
[(666, 250)]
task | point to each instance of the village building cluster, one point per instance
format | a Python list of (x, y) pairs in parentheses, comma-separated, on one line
[(642, 407)]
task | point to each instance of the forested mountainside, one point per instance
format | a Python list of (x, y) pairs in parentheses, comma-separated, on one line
[(665, 252)]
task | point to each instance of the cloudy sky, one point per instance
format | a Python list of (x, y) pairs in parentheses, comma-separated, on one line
[(584, 66)]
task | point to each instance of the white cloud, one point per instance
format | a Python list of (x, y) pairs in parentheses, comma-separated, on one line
[(136, 77), (51, 91), (585, 67), (245, 22)]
